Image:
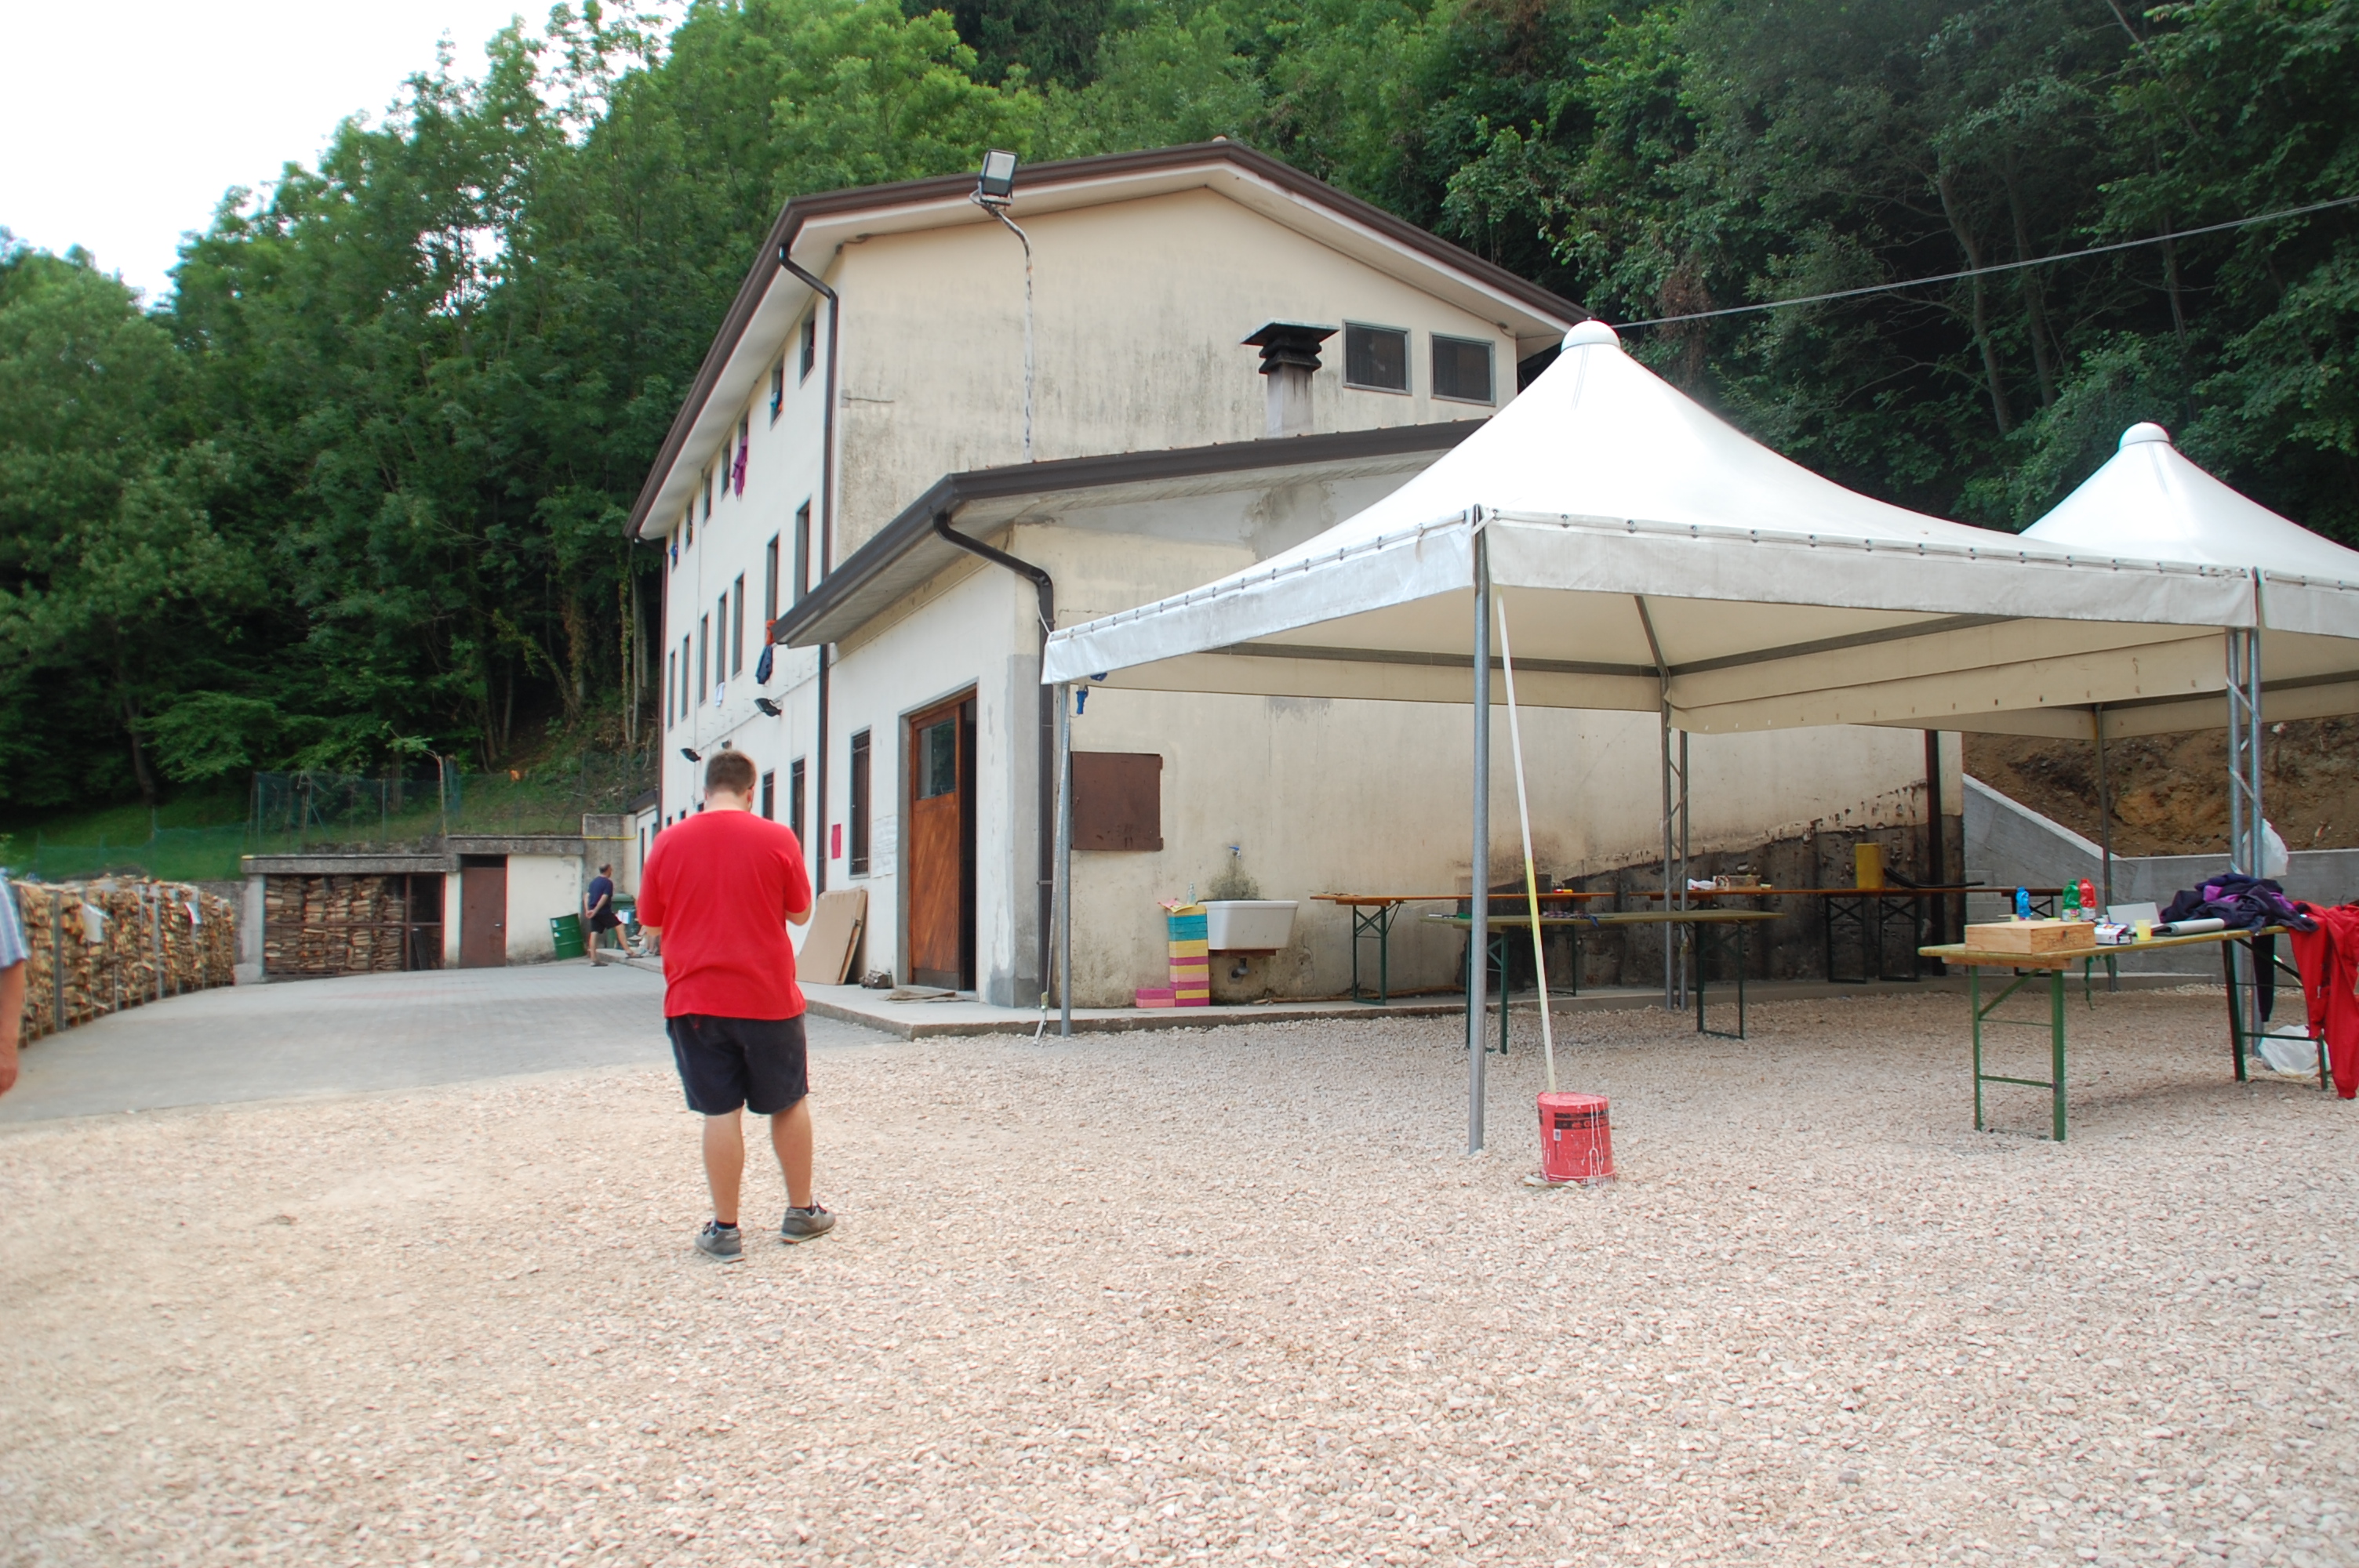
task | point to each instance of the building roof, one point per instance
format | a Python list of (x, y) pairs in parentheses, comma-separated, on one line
[(812, 228), (907, 551)]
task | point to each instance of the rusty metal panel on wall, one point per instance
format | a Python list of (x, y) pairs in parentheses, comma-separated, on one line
[(1117, 800)]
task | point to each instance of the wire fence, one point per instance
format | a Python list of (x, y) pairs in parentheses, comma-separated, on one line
[(292, 812)]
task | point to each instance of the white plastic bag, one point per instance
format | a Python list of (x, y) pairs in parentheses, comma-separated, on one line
[(2293, 1054), (2274, 860)]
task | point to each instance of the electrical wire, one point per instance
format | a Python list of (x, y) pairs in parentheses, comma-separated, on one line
[(1985, 271)]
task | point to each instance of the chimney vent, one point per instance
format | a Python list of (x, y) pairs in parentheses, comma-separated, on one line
[(1289, 357)]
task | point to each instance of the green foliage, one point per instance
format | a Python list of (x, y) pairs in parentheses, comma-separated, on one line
[(354, 493)]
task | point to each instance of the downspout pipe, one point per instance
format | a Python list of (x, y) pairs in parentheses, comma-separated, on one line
[(1046, 589), (812, 281)]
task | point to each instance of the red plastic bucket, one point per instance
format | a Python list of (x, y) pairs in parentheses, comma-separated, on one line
[(1576, 1139)]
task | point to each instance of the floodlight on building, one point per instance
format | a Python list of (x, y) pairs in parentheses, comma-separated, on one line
[(766, 706), (997, 181), (691, 754)]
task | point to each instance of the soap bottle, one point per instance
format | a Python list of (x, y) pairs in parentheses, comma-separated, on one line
[(2023, 904), (2072, 901), (2088, 899)]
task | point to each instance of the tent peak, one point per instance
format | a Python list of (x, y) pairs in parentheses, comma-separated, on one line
[(1591, 331), (2141, 434)]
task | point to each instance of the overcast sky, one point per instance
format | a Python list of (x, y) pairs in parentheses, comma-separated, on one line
[(122, 122)]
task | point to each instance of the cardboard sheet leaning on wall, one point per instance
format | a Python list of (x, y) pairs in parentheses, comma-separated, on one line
[(100, 946)]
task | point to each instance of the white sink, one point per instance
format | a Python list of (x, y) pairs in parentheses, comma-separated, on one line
[(1248, 925)]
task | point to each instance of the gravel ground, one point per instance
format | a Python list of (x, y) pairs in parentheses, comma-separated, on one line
[(1232, 1296)]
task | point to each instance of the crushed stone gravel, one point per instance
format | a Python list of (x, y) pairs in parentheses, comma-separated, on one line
[(1232, 1296)]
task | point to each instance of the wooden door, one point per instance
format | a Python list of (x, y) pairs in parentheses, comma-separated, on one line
[(483, 912), (938, 833)]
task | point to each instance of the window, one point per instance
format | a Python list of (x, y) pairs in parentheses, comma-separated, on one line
[(769, 586), (688, 527), (708, 495), (770, 797), (802, 551), (704, 657), (683, 677), (1462, 369), (672, 686), (777, 389), (860, 803), (810, 344), (736, 477), (795, 798), (737, 628), (1376, 358), (938, 759)]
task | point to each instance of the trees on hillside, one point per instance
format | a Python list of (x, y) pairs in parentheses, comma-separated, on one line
[(356, 491)]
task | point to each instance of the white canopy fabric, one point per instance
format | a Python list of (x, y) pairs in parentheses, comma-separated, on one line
[(2149, 499), (1652, 555)]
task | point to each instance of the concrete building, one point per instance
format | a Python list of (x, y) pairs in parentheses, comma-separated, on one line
[(918, 436)]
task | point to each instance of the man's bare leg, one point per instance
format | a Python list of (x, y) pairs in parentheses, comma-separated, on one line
[(724, 1163), (791, 1135)]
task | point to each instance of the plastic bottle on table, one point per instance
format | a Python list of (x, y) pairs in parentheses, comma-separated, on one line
[(2072, 901), (2023, 904), (2088, 899)]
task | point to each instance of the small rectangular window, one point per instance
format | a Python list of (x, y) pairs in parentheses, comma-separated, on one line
[(770, 797), (795, 798), (860, 803), (688, 527), (736, 478), (769, 586), (683, 677), (802, 551), (708, 495), (672, 686), (737, 628), (938, 759), (777, 389), (1376, 358), (810, 344), (1462, 369), (704, 657)]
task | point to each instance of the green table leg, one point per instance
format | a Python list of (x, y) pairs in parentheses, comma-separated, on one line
[(2056, 1026), (2235, 1009), (1974, 1004)]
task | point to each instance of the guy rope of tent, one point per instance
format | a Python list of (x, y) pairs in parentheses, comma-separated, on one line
[(1531, 876)]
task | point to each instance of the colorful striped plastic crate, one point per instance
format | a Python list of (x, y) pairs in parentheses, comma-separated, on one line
[(1189, 954)]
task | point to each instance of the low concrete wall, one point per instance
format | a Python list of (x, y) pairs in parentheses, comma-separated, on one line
[(2009, 845)]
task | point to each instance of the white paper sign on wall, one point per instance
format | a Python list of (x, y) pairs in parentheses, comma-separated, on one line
[(884, 841)]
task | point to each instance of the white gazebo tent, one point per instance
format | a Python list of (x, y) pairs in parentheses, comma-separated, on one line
[(2150, 500), (1659, 560)]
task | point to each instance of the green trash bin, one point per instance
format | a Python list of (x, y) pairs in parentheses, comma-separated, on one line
[(565, 932)]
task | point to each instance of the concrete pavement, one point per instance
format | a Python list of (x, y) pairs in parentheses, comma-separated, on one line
[(356, 1033)]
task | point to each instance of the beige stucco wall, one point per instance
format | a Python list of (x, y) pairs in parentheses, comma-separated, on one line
[(540, 888), (1138, 308)]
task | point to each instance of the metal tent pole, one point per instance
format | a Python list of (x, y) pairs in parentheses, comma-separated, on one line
[(1478, 951), (2244, 750), (1064, 860), (1679, 882), (2105, 812)]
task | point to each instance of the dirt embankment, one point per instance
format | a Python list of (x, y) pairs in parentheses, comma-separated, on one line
[(2170, 792)]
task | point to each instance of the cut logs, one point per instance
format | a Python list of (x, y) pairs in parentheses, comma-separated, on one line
[(99, 946)]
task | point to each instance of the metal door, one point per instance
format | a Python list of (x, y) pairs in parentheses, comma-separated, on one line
[(483, 912), (940, 836)]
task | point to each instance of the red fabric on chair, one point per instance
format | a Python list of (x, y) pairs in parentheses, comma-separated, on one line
[(2329, 960)]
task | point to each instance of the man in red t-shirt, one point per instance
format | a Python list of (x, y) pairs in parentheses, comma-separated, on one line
[(722, 887)]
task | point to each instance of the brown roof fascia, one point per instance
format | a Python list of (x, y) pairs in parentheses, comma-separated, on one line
[(947, 495), (834, 203)]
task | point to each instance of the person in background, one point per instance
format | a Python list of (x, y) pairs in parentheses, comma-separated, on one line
[(598, 914), (12, 982), (720, 889)]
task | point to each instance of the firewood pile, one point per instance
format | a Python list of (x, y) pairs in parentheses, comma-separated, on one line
[(99, 946), (337, 924)]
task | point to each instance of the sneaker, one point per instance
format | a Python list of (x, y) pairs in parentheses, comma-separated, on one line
[(805, 1225), (720, 1242)]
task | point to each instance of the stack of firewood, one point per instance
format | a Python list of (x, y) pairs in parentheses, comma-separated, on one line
[(332, 926), (96, 947)]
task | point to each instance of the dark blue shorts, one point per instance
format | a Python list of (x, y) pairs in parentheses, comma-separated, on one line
[(759, 1064)]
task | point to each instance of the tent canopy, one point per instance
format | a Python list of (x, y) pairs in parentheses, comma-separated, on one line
[(1650, 554), (2150, 500)]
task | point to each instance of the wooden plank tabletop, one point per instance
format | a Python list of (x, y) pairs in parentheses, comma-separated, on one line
[(1956, 952), (1510, 916)]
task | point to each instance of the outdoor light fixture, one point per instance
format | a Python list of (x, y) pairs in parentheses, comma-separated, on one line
[(766, 706), (691, 754), (997, 182)]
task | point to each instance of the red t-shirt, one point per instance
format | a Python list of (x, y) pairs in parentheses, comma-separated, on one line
[(720, 886)]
